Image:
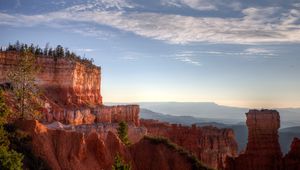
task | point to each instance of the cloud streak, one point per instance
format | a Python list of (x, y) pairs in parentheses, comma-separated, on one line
[(187, 57), (257, 25)]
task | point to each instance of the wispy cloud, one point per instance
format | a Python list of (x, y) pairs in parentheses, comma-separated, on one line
[(202, 5), (258, 51), (85, 49), (188, 57), (258, 25), (188, 60)]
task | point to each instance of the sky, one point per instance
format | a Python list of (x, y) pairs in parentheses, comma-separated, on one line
[(232, 52)]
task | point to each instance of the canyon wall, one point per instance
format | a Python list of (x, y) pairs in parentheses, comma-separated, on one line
[(263, 149), (211, 145), (65, 82), (104, 114), (71, 91), (64, 149), (113, 114)]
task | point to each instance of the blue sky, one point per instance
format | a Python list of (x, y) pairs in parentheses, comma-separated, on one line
[(232, 52)]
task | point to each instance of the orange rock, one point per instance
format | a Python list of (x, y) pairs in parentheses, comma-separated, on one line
[(263, 149), (73, 150), (71, 91), (211, 145), (114, 114), (65, 82)]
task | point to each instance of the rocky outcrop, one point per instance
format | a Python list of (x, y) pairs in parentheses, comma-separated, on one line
[(160, 153), (211, 145), (263, 136), (263, 149), (71, 91), (291, 161), (102, 114), (113, 114), (65, 82), (64, 149)]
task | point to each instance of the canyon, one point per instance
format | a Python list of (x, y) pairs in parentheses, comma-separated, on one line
[(63, 148), (77, 131)]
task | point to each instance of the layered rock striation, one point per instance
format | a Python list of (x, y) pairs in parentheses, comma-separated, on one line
[(113, 114), (263, 149), (104, 114), (64, 81), (71, 91), (211, 145)]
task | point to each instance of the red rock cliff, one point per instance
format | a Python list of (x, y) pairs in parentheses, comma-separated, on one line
[(263, 149), (65, 82), (73, 150), (211, 145), (113, 114), (71, 91)]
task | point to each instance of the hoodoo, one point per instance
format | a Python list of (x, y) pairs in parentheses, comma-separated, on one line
[(263, 149)]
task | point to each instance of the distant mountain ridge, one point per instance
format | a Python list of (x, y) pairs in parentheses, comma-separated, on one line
[(213, 112)]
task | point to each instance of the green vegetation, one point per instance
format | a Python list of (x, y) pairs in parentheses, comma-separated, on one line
[(55, 53), (25, 90), (123, 132), (9, 159), (119, 164), (197, 165)]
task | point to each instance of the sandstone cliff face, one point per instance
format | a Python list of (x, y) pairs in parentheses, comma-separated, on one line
[(211, 145), (113, 114), (71, 91), (66, 149), (65, 82), (263, 149), (263, 133), (103, 114)]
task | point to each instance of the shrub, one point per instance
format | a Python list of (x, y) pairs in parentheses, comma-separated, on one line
[(119, 164), (123, 132)]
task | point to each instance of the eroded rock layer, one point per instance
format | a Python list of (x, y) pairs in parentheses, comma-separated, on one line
[(263, 149), (211, 145), (113, 114), (71, 91), (64, 81), (64, 149)]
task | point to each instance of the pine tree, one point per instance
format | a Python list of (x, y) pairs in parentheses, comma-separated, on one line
[(24, 88), (123, 132)]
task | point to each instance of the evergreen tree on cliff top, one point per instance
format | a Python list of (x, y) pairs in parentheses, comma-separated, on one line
[(25, 90), (123, 132)]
